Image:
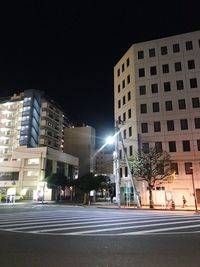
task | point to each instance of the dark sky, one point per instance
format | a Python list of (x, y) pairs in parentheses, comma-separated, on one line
[(69, 48)]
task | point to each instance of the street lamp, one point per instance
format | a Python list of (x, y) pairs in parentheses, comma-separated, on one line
[(194, 190), (109, 141)]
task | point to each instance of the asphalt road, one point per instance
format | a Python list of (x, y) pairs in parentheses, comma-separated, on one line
[(41, 236)]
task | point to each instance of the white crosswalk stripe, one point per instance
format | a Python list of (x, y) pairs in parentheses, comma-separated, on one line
[(93, 222)]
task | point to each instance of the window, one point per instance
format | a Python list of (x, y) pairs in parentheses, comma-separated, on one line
[(119, 119), (119, 103), (152, 52), (198, 144), (172, 146), (130, 150), (181, 104), (167, 86), (141, 72), (125, 171), (119, 88), (193, 83), (186, 145), (184, 124), (168, 105), (144, 127), (195, 102), (140, 54), (153, 70), (188, 45), (129, 96), (154, 88), (124, 116), (170, 125), (157, 127), (127, 62), (179, 85), (123, 84), (156, 107), (130, 131), (165, 68), (188, 167), (118, 72), (32, 161), (191, 64), (163, 50), (120, 172), (142, 90), (197, 123), (174, 167), (128, 79), (122, 67), (145, 147), (124, 134), (143, 108), (129, 113), (176, 48), (158, 146), (177, 66), (124, 100)]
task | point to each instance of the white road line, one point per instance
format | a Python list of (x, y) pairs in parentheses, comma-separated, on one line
[(129, 227), (68, 222), (162, 230), (107, 229)]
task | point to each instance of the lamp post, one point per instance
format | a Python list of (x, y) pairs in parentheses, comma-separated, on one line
[(194, 190), (116, 138), (110, 140)]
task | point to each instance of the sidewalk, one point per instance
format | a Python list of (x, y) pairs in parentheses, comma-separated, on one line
[(101, 204), (110, 205)]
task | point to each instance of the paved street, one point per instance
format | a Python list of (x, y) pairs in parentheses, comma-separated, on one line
[(91, 221), (38, 235)]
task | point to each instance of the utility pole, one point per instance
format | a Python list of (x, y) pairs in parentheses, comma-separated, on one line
[(194, 190), (117, 165), (135, 192)]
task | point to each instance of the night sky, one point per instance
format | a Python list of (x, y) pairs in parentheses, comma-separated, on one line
[(69, 48)]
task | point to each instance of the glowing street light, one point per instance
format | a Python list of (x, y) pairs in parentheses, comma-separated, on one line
[(110, 140)]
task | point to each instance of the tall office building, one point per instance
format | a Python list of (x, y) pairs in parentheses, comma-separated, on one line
[(157, 103), (80, 142), (31, 142)]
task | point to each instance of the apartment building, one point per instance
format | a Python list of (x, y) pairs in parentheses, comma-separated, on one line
[(31, 142), (157, 103)]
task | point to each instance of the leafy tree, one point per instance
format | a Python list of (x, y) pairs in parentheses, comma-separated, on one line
[(89, 182), (152, 166), (57, 181)]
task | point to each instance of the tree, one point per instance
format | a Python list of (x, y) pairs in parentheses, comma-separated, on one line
[(152, 166), (89, 182), (57, 181)]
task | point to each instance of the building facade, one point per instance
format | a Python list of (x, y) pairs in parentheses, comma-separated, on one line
[(157, 103), (104, 162), (80, 142), (31, 140)]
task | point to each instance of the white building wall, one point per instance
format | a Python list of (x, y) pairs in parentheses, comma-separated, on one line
[(182, 183)]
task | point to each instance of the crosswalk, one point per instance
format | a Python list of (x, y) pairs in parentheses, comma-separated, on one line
[(71, 221)]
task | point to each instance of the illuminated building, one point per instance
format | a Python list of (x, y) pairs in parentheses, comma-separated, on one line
[(157, 103), (31, 142)]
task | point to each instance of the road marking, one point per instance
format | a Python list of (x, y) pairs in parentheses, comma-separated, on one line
[(129, 227)]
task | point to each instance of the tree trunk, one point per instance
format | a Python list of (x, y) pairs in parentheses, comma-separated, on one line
[(86, 199), (151, 204)]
